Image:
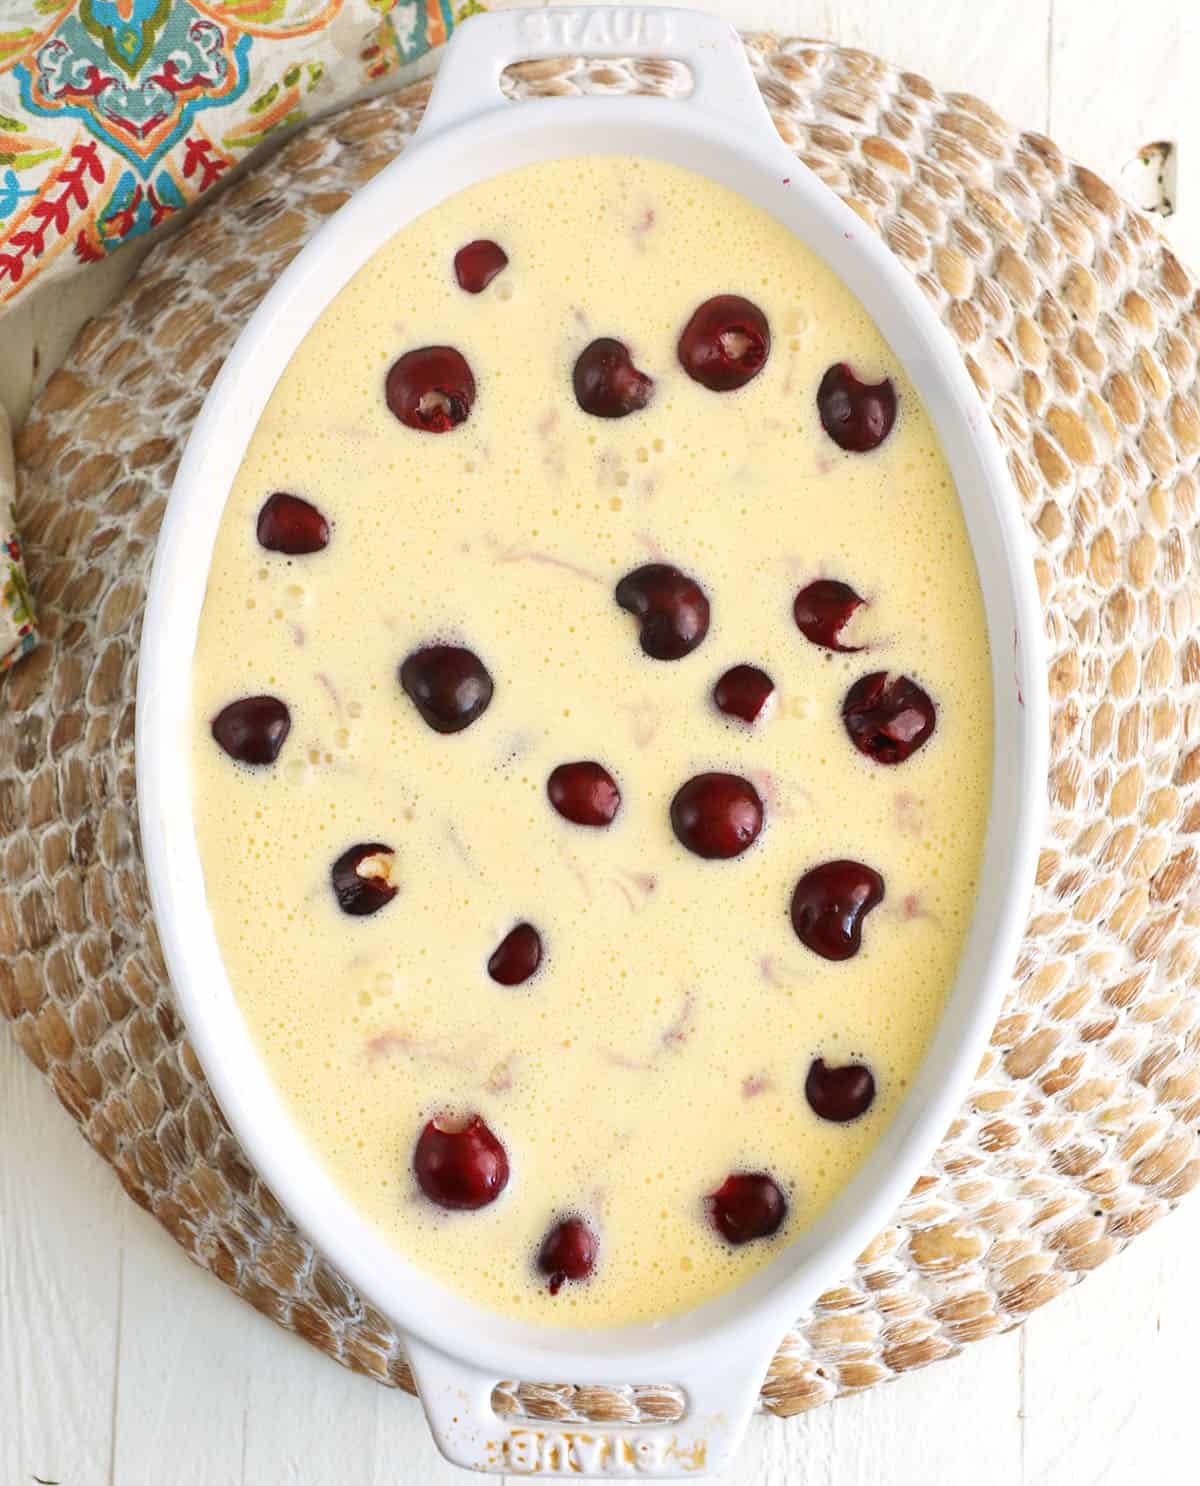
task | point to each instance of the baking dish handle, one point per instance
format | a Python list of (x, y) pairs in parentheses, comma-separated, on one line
[(468, 80), (721, 1395)]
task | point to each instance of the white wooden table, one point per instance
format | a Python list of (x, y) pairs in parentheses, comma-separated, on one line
[(122, 1365)]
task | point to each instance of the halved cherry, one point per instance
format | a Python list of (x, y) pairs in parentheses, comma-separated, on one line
[(829, 904), (717, 816), (448, 684), (516, 957), (431, 389), (855, 415), (290, 525), (888, 717), (839, 1094), (725, 344), (253, 729), (584, 793), (568, 1252), (671, 609), (747, 1205), (477, 263), (743, 691), (364, 878), (823, 609), (607, 384), (460, 1164)]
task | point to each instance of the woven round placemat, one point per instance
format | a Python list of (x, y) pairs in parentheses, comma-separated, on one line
[(1080, 330)]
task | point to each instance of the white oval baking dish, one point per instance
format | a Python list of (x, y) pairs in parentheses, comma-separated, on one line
[(719, 1352)]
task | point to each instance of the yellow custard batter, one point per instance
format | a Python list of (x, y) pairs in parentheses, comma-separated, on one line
[(665, 1039)]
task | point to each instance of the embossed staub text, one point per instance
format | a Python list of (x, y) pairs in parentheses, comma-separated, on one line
[(597, 30), (533, 1452)]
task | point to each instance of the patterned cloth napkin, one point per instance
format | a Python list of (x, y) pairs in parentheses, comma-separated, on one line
[(116, 114)]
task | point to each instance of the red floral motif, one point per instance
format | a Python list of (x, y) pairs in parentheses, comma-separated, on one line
[(87, 249), (53, 211), (159, 210), (199, 156), (93, 85), (169, 78), (121, 222)]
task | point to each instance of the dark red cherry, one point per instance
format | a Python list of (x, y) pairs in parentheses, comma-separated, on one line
[(822, 611), (671, 609), (717, 815), (725, 344), (856, 416), (747, 1205), (253, 729), (460, 1164), (478, 263), (364, 878), (888, 717), (607, 384), (829, 905), (517, 956), (449, 686), (743, 691), (839, 1094), (568, 1252), (585, 793), (291, 525), (431, 389)]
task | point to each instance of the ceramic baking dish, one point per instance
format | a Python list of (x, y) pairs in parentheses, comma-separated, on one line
[(719, 1352)]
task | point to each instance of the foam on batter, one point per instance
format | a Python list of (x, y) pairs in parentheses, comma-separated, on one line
[(665, 1040)]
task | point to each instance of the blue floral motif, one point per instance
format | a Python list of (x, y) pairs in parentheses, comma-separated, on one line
[(191, 67), (11, 193)]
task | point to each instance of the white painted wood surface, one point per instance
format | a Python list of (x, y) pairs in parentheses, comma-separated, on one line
[(123, 1365)]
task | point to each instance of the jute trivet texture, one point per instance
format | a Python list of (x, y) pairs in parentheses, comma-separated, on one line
[(1081, 332)]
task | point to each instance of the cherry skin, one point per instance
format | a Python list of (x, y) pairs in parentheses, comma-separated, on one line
[(747, 1205), (516, 957), (252, 730), (448, 684), (568, 1252), (460, 1164), (839, 1094), (584, 793), (725, 344), (743, 692), (362, 878), (292, 526), (717, 816), (856, 416), (823, 609), (671, 609), (431, 389), (829, 905), (607, 384), (888, 717), (477, 263)]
